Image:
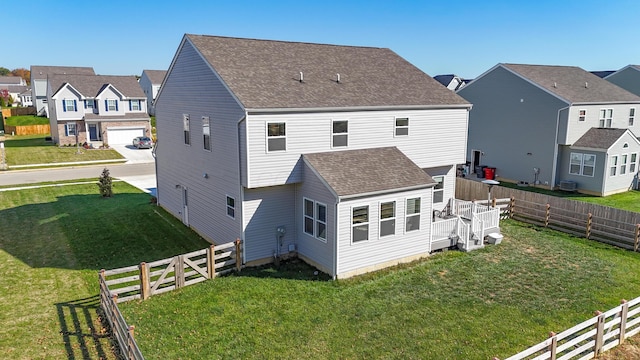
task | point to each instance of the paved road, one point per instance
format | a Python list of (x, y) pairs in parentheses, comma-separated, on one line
[(144, 172)]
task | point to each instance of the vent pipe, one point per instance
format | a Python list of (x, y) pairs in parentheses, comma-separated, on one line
[(555, 85), (301, 76), (586, 85), (338, 77)]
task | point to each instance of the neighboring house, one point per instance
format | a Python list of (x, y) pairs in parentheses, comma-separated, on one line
[(338, 154), (14, 92), (452, 82), (627, 78), (602, 73), (12, 81), (150, 82), (39, 82), (533, 123), (25, 98), (96, 109)]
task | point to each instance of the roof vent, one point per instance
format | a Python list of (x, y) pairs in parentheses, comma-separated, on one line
[(338, 77), (586, 85), (301, 76), (555, 85)]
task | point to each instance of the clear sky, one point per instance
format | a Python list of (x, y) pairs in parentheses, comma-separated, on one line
[(464, 37)]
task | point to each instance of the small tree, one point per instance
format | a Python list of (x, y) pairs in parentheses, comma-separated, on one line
[(105, 184)]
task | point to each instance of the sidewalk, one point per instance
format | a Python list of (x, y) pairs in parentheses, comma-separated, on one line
[(74, 163)]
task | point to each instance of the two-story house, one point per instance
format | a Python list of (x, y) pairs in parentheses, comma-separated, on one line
[(536, 124), (39, 76), (96, 109), (337, 153), (150, 82), (627, 78)]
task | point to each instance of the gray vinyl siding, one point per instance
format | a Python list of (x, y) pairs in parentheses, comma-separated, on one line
[(67, 94), (379, 250), (620, 119), (620, 182), (449, 190), (210, 176), (436, 138), (264, 210), (584, 183), (39, 94), (321, 252), (628, 79), (514, 124), (147, 88)]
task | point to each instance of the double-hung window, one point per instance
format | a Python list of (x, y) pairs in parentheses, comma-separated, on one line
[(632, 163), (606, 117), (185, 129), (412, 217), (632, 116), (387, 218), (276, 137), (582, 164), (582, 114), (206, 133), (70, 105), (71, 129), (134, 105), (623, 164), (613, 166), (89, 104), (315, 219), (360, 223), (112, 105), (438, 190), (231, 207), (402, 126), (340, 133)]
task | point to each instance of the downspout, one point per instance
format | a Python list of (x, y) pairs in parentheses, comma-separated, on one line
[(552, 185), (335, 241), (241, 188), (155, 164)]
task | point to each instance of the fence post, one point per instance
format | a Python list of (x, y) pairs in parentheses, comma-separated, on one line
[(178, 271), (238, 255), (553, 345), (623, 319), (130, 342), (597, 349), (493, 202), (144, 280), (546, 216), (112, 311), (589, 222), (637, 237), (512, 205), (211, 261)]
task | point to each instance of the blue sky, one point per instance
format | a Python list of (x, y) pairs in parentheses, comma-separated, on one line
[(123, 37)]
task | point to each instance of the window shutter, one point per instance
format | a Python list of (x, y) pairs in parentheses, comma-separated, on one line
[(64, 106), (106, 105), (85, 104), (66, 130), (130, 104), (116, 105), (75, 105)]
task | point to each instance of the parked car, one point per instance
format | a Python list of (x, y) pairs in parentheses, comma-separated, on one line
[(142, 142)]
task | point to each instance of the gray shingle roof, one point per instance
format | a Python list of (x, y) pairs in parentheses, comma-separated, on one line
[(568, 82), (91, 85), (265, 74), (355, 172), (11, 80), (156, 76), (41, 72), (599, 138)]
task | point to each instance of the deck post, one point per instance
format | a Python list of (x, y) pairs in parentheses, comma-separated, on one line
[(637, 238), (238, 255), (623, 319), (512, 205), (546, 216), (589, 222)]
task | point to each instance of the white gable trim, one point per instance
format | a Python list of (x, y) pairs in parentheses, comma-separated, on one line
[(633, 137), (317, 175), (67, 85), (114, 89), (632, 67), (535, 84)]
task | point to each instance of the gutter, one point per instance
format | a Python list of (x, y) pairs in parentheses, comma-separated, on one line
[(384, 192), (257, 111), (555, 148)]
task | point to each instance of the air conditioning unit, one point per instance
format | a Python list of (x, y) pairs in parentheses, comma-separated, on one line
[(568, 185)]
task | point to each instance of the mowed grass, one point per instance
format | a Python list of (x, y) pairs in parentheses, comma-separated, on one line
[(53, 242), (33, 149), (24, 120), (492, 302)]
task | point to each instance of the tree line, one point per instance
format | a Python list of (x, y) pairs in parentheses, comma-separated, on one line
[(22, 72)]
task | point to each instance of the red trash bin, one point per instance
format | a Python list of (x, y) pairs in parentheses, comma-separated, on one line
[(489, 173)]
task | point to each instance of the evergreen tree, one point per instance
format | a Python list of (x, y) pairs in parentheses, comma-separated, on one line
[(105, 184)]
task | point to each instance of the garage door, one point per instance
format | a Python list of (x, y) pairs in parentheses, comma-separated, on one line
[(123, 136)]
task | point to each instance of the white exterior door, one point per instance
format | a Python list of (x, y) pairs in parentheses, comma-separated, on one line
[(123, 135)]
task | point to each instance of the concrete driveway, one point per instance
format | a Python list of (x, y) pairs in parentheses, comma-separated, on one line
[(133, 155)]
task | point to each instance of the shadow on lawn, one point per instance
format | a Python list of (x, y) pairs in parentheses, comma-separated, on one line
[(27, 142), (292, 269), (82, 329)]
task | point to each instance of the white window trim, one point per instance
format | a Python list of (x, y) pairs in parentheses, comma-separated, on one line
[(314, 218), (632, 117), (75, 129), (396, 127), (407, 215), (207, 120), (138, 104), (394, 218), (227, 206), (368, 223), (186, 129), (613, 165), (633, 163), (438, 190), (69, 103), (267, 137), (109, 102), (582, 165), (334, 134), (582, 117), (624, 161)]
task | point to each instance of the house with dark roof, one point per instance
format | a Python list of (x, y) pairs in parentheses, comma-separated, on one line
[(627, 78), (336, 154), (96, 109), (451, 81), (150, 82), (533, 123), (39, 76)]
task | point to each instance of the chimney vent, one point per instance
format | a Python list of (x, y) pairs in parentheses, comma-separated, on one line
[(586, 85), (301, 76), (338, 77)]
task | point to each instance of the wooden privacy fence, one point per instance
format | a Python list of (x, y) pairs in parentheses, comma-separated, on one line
[(27, 129), (589, 338), (146, 279)]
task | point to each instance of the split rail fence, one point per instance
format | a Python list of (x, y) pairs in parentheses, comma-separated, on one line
[(147, 279), (590, 338)]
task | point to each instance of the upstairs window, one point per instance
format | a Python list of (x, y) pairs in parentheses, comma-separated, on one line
[(402, 126), (89, 104), (69, 105), (185, 129), (134, 105), (582, 114), (111, 105), (606, 117), (632, 116), (438, 190), (276, 137), (387, 218), (360, 223), (206, 133), (412, 217), (613, 166), (340, 133), (231, 207)]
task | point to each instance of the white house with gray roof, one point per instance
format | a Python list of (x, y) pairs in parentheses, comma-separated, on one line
[(39, 74), (96, 109), (150, 82), (338, 154), (527, 119)]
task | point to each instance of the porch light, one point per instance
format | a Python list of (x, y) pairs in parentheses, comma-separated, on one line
[(490, 183)]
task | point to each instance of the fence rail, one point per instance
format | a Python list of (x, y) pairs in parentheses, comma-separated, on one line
[(146, 279), (27, 129), (590, 338)]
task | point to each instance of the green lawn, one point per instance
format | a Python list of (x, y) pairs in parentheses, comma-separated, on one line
[(53, 241), (26, 120), (33, 149), (491, 302)]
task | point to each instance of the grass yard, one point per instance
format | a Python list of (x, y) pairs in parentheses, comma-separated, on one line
[(25, 120), (492, 302), (53, 241), (33, 149)]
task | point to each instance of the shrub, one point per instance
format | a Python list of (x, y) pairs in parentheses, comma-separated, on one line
[(105, 183)]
